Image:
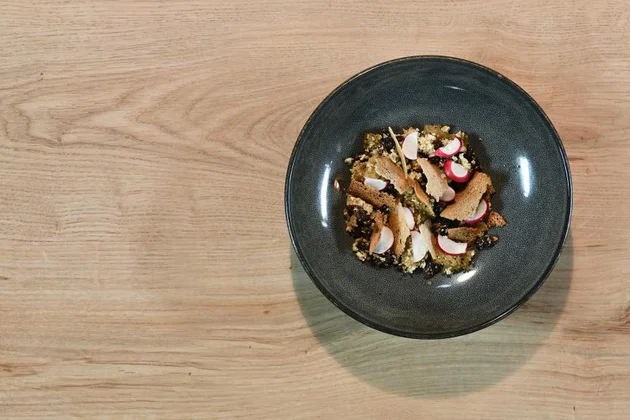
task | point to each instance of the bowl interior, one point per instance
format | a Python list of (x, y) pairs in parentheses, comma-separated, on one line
[(517, 146)]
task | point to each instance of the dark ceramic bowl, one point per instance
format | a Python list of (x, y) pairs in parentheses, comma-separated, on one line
[(520, 149)]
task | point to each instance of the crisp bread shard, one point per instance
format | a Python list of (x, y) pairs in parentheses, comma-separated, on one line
[(436, 180), (467, 234), (399, 227), (422, 196), (371, 195), (466, 202), (356, 201), (392, 172), (495, 220), (455, 262), (425, 230), (377, 229)]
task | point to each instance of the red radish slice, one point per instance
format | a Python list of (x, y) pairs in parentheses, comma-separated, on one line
[(448, 195), (409, 217), (379, 184), (456, 172), (385, 241), (450, 247), (419, 246), (451, 149), (480, 212), (410, 146)]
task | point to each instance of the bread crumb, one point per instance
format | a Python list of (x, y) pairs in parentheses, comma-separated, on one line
[(495, 220)]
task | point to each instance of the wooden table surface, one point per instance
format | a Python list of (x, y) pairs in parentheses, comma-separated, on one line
[(140, 279)]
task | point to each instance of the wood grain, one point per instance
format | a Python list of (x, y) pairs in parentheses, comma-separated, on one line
[(137, 279)]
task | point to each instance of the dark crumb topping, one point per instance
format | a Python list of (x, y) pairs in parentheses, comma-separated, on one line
[(363, 245), (486, 241), (438, 206), (388, 144), (442, 223), (431, 268), (387, 259), (441, 230), (363, 228), (391, 190), (435, 160)]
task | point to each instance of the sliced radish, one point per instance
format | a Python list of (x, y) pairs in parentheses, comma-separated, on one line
[(456, 172), (409, 217), (448, 195), (379, 184), (450, 247), (451, 149), (480, 212), (385, 241), (410, 146), (419, 246)]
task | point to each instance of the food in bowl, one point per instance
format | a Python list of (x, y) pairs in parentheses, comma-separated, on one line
[(419, 200)]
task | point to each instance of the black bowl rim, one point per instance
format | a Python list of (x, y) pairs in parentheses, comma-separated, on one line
[(464, 331)]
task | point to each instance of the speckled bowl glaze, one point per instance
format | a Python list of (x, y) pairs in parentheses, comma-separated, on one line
[(521, 151)]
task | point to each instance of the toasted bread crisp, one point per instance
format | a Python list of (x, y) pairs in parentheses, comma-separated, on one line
[(466, 202), (392, 172), (371, 195), (455, 262), (422, 196), (399, 227), (425, 230), (495, 220), (436, 180), (467, 234), (416, 200), (356, 201), (377, 229)]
